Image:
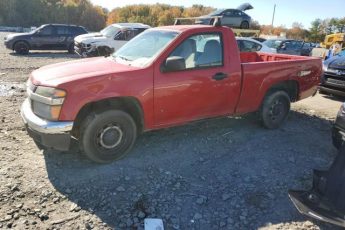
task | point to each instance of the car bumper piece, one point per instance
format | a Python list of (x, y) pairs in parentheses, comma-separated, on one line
[(53, 134), (326, 200)]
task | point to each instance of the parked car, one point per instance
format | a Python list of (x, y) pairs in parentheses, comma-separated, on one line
[(259, 39), (230, 17), (164, 77), (333, 79), (107, 40), (46, 37), (251, 45), (289, 46), (325, 200)]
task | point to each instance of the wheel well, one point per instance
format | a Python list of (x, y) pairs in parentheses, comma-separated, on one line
[(245, 21), (14, 44), (290, 87), (128, 104)]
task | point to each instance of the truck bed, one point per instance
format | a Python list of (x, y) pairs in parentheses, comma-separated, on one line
[(262, 70), (250, 57)]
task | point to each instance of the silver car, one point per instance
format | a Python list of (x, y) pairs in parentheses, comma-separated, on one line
[(230, 17)]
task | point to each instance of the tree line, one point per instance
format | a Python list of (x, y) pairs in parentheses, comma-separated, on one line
[(316, 33), (27, 13)]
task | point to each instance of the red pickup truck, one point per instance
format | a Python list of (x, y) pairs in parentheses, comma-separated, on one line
[(166, 76)]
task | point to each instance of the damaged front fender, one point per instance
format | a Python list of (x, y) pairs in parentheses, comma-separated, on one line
[(326, 200)]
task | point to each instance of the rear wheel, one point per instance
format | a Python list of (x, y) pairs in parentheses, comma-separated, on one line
[(21, 48), (107, 136), (244, 25), (275, 109)]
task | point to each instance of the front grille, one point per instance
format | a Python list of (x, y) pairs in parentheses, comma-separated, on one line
[(335, 72), (336, 81)]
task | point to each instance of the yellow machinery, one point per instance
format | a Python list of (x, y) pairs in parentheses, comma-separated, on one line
[(332, 39)]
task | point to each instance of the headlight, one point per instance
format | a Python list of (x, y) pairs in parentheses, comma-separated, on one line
[(50, 92), (49, 112), (47, 102), (341, 112)]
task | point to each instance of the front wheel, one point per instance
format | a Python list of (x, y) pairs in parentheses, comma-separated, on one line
[(107, 136), (275, 109), (21, 48)]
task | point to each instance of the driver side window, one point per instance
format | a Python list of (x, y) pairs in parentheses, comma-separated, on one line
[(48, 30), (203, 50)]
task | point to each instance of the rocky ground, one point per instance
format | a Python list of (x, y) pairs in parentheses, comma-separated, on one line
[(227, 173)]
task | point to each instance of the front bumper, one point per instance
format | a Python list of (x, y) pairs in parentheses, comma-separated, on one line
[(85, 51), (52, 134), (338, 136), (325, 201), (8, 44), (334, 91)]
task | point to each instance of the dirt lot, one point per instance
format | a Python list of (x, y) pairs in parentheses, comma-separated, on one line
[(226, 173)]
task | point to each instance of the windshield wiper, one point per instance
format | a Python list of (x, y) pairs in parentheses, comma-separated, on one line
[(124, 58)]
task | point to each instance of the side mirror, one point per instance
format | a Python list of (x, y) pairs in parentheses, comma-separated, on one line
[(174, 63)]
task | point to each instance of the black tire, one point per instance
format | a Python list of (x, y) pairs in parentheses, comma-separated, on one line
[(322, 92), (21, 47), (104, 51), (71, 49), (275, 109), (107, 136), (244, 25)]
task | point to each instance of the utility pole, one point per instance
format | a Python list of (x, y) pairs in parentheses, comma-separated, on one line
[(274, 12)]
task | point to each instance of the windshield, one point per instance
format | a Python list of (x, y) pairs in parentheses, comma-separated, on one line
[(37, 29), (216, 12), (110, 31), (142, 49), (273, 43)]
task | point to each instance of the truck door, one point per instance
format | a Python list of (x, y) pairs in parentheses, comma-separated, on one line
[(231, 18), (122, 38), (204, 87), (64, 37), (45, 38)]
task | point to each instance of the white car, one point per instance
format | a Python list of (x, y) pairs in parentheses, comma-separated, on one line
[(251, 45), (107, 40)]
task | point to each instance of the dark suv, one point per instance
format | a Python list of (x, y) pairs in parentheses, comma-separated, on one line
[(46, 37), (288, 46)]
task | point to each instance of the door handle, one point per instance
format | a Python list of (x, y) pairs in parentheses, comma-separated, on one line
[(219, 76)]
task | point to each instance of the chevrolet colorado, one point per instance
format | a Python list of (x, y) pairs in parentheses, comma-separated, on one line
[(164, 77)]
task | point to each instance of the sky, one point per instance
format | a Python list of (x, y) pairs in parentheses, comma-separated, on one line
[(287, 11)]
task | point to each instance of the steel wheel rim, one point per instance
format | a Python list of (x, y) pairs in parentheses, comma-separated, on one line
[(276, 110), (110, 137)]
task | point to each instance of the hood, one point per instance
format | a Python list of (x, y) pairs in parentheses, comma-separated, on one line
[(89, 38), (337, 62), (245, 6), (15, 35), (65, 72)]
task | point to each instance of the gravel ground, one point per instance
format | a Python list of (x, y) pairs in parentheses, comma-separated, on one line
[(227, 173)]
